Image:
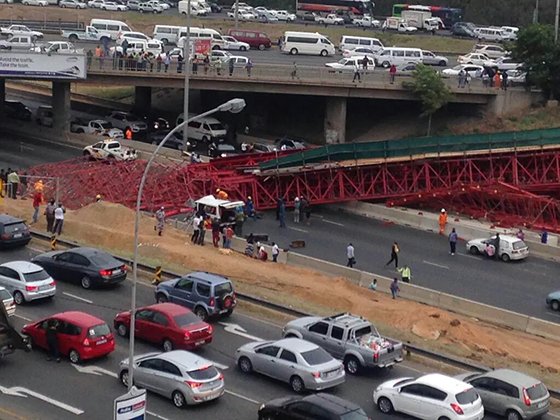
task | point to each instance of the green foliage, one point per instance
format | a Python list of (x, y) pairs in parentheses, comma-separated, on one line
[(429, 87)]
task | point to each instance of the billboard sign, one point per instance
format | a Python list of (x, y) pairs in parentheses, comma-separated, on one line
[(32, 65), (131, 406), (203, 47)]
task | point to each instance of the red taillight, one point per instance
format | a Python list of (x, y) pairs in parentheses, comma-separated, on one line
[(86, 342), (105, 273), (52, 283), (31, 288), (210, 329), (221, 378), (375, 357), (457, 408), (211, 302), (193, 384), (187, 335), (124, 268), (316, 374), (5, 236), (526, 399)]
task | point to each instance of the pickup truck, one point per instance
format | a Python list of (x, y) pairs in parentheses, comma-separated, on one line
[(95, 127), (109, 150), (331, 19), (350, 338), (58, 47), (399, 25), (88, 34), (366, 22)]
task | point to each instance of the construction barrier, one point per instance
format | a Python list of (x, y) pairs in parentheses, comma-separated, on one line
[(53, 243), (157, 275)]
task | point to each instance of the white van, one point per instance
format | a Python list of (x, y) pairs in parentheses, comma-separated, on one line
[(307, 43), (167, 34), (196, 9), (152, 47), (510, 32), (490, 34), (349, 42), (218, 43), (112, 27), (206, 129), (398, 56)]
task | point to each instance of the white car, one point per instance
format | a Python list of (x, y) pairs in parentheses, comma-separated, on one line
[(431, 59), (113, 7), (41, 3), (285, 16), (238, 61), (243, 15), (131, 36), (517, 77), (20, 30), (507, 63), (26, 281), (347, 65), (96, 4), (511, 247), (219, 55), (475, 58), (432, 396), (109, 150), (472, 70), (72, 4), (234, 44), (331, 19), (360, 52)]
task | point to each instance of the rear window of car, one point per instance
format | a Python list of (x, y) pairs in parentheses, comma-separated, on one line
[(103, 260), (14, 227), (36, 276), (536, 392), (186, 319), (358, 414), (5, 295), (203, 374), (99, 330), (519, 245), (316, 357), (223, 289), (468, 396)]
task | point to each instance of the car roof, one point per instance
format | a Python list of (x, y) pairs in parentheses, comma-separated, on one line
[(87, 251), (78, 318), (437, 380), (210, 200), (22, 266), (187, 360), (295, 344), (209, 277), (332, 403), (170, 309), (8, 220), (513, 377)]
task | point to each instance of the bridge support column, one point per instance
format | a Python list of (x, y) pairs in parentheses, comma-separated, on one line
[(142, 99), (61, 106), (335, 120)]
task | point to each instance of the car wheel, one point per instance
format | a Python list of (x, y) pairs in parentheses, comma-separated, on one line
[(352, 365), (18, 298), (555, 305), (74, 356), (73, 38), (161, 298), (297, 384), (124, 378), (228, 313), (141, 10), (245, 365), (164, 41), (293, 51), (505, 257), (324, 53), (167, 345), (29, 341), (201, 313), (63, 6), (178, 399), (512, 415), (86, 282), (442, 63), (122, 330), (443, 418), (385, 405), (473, 250), (242, 48), (385, 64)]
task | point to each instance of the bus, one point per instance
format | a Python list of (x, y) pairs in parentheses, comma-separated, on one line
[(448, 15), (356, 7)]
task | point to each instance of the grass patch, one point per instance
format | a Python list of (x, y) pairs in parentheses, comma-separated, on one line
[(113, 93)]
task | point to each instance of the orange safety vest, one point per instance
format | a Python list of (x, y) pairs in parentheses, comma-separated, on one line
[(128, 134), (442, 219)]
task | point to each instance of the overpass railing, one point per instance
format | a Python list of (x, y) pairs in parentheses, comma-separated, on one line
[(420, 147), (269, 73)]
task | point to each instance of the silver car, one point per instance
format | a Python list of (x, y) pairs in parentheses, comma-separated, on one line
[(509, 393), (300, 363), (26, 281), (179, 375)]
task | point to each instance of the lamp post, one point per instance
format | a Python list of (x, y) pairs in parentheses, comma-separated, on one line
[(234, 106), (187, 54), (536, 12), (235, 13), (556, 14)]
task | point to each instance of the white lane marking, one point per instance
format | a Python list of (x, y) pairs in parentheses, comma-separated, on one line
[(333, 223), (298, 229), (151, 413), (18, 391), (553, 313), (413, 369), (219, 365), (243, 397), (556, 416), (436, 265), (469, 256), (95, 370), (239, 330), (260, 320), (77, 297), (22, 317)]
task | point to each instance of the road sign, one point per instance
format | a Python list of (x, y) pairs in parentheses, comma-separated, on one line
[(131, 406)]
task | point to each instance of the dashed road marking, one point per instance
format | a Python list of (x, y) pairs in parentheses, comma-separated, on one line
[(553, 313), (22, 317), (77, 297), (332, 222), (469, 256), (436, 265), (157, 416), (298, 229), (243, 397)]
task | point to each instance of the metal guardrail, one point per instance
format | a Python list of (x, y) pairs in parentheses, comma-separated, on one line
[(458, 362), (44, 25)]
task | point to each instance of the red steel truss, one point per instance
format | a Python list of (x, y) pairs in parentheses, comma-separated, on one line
[(172, 185)]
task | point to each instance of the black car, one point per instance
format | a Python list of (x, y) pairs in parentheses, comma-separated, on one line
[(10, 338), (17, 110), (221, 150), (174, 142), (463, 29), (13, 232), (88, 266), (314, 406), (290, 142), (155, 123)]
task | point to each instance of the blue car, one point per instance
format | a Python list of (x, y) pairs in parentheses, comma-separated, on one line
[(553, 300), (206, 294)]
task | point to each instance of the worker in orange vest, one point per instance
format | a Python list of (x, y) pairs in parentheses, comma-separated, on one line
[(221, 194), (442, 221), (128, 134)]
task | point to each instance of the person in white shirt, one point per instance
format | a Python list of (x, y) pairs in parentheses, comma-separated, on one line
[(58, 219), (196, 229), (275, 252), (350, 255)]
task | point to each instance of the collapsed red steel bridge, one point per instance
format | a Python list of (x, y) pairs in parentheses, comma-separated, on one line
[(510, 187)]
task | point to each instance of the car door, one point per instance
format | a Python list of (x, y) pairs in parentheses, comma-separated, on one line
[(181, 293), (78, 267), (142, 325), (431, 402), (409, 399), (286, 366), (9, 279), (300, 410), (159, 328), (169, 378), (69, 337), (265, 359), (146, 375), (58, 267), (317, 333), (334, 344), (40, 334)]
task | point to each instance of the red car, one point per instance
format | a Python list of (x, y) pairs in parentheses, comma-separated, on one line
[(167, 324), (81, 336)]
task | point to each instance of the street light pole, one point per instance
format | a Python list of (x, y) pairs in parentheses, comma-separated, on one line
[(536, 12), (557, 13), (187, 54), (234, 106), (235, 12)]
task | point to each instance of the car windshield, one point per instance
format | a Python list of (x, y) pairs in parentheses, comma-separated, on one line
[(36, 276), (14, 227), (216, 126), (106, 125), (468, 396), (536, 392), (459, 67), (223, 289), (186, 319), (99, 330), (519, 245), (103, 260), (203, 374), (316, 356), (358, 414), (4, 294)]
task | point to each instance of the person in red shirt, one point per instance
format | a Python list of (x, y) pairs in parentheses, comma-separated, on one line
[(37, 200), (392, 72)]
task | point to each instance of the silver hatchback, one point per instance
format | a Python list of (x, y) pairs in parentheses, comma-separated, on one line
[(302, 364), (509, 393), (26, 281), (179, 375)]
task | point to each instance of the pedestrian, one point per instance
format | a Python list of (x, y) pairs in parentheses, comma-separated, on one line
[(231, 65), (58, 219), (195, 66), (504, 80), (196, 229), (442, 221), (365, 63), (282, 213), (497, 80), (229, 236), (221, 194), (160, 221), (373, 285), (395, 289), (294, 71), (485, 78), (307, 211), (13, 184), (406, 274), (49, 214), (392, 73), (206, 63), (497, 245), (166, 62), (37, 200), (490, 250), (297, 206), (520, 235), (250, 209), (249, 67), (461, 77), (219, 67), (394, 254), (356, 72), (52, 340), (544, 237), (275, 252), (202, 230), (180, 60), (350, 256), (216, 232), (452, 241), (262, 254), (89, 58), (159, 60), (2, 182)]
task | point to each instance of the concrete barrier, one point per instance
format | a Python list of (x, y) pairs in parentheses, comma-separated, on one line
[(420, 294), (543, 328), (324, 266)]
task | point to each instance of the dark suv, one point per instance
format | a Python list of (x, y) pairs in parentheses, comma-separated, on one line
[(13, 232), (206, 294)]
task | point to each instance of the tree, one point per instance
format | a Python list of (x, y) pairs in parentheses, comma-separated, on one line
[(429, 87)]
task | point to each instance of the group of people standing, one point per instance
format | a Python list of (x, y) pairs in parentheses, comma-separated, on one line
[(302, 211), (12, 184)]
